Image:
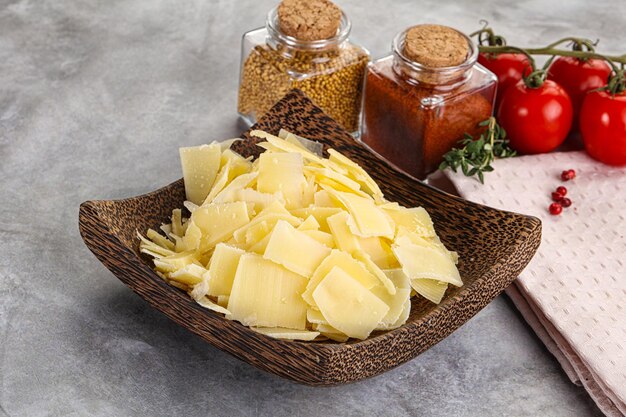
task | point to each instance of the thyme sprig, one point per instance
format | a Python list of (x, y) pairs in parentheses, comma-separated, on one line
[(476, 155)]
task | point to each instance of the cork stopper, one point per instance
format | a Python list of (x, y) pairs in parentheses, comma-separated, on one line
[(435, 46), (309, 20)]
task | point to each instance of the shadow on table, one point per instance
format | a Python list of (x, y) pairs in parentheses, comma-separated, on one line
[(155, 355), (145, 361)]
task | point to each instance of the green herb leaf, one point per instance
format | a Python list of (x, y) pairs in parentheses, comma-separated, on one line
[(474, 156)]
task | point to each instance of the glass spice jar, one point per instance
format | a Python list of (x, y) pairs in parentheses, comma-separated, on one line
[(330, 71), (417, 107)]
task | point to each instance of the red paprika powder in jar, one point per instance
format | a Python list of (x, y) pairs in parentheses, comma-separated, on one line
[(422, 99)]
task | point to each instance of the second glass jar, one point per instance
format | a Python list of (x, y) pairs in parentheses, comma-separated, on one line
[(413, 114)]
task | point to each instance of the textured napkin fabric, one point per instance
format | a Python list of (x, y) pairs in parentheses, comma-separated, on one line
[(573, 292)]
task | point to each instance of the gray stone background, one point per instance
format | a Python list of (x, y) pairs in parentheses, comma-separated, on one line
[(95, 99)]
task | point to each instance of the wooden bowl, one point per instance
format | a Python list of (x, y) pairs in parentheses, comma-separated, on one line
[(494, 246)]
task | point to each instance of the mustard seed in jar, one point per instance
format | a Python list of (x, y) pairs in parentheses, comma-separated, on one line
[(304, 45)]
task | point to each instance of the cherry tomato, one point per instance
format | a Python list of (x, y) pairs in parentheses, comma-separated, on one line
[(536, 120), (578, 77), (509, 68), (603, 126)]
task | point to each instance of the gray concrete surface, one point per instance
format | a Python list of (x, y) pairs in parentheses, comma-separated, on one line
[(95, 99)]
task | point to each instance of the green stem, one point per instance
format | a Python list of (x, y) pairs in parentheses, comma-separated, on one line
[(497, 45), (509, 49), (578, 44), (611, 60), (617, 83), (491, 39), (492, 132), (536, 77)]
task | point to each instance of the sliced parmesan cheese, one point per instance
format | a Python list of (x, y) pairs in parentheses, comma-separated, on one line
[(322, 198), (296, 245), (379, 251), (174, 262), (201, 289), (256, 233), (347, 305), (357, 173), (167, 228), (430, 289), (310, 145), (238, 164), (344, 239), (369, 220), (189, 206), (331, 333), (178, 285), (327, 328), (265, 294), (222, 300), (260, 200), (348, 264), (327, 173), (295, 250), (189, 274), (191, 240), (147, 246), (159, 239), (434, 242), (207, 303), (315, 317), (217, 222), (399, 278), (329, 183), (229, 192), (282, 172), (222, 269), (223, 177), (309, 224), (268, 147), (200, 165), (177, 222), (404, 315), (180, 244), (420, 262), (290, 334), (288, 147), (276, 207), (375, 270), (147, 251), (320, 214), (439, 244), (395, 303), (415, 220), (324, 238), (260, 246), (308, 192), (270, 219)]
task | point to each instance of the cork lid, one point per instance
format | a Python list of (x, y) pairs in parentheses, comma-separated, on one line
[(309, 20), (435, 46)]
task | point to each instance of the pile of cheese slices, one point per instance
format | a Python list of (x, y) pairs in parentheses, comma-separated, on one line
[(296, 245)]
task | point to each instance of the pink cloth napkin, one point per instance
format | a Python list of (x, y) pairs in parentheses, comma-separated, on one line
[(573, 292)]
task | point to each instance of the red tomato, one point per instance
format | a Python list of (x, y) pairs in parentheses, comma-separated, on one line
[(536, 120), (578, 77), (509, 68), (603, 126)]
